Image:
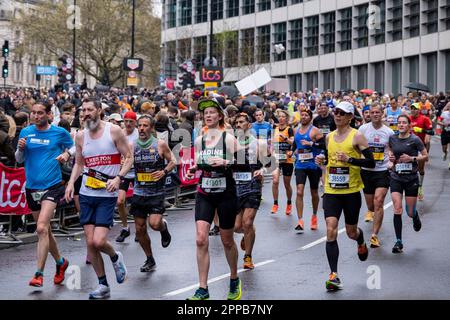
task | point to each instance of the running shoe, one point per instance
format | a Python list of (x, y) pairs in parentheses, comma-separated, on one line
[(60, 272), (369, 216), (102, 292), (200, 294), (149, 265), (120, 269), (314, 222), (375, 242), (88, 261), (214, 231), (420, 194), (165, 236), (37, 280), (333, 283), (444, 158), (243, 244), (248, 263), (363, 253), (235, 292), (289, 209), (417, 224), (274, 209), (125, 233), (398, 247), (300, 226)]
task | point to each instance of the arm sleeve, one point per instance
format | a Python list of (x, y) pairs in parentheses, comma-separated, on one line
[(291, 132), (320, 144), (20, 156), (368, 162)]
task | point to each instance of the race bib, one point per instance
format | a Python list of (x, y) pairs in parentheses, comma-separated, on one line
[(403, 168), (281, 156), (325, 130), (305, 156), (214, 183), (378, 153), (96, 180), (243, 176), (339, 177), (38, 195), (145, 177)]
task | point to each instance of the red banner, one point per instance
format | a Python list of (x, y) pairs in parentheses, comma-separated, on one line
[(187, 162), (12, 191)]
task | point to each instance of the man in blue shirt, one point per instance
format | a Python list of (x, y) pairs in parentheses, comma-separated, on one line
[(42, 147), (261, 129)]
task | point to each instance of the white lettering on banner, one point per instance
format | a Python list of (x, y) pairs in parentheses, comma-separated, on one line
[(8, 185)]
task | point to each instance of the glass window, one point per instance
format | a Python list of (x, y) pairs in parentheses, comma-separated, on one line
[(432, 72), (396, 76), (346, 29), (184, 49), (296, 1), (361, 29), (172, 13), (380, 25), (185, 12), (263, 41), (248, 6), (296, 39), (218, 45), (329, 27), (414, 18), (379, 76), (201, 11), (233, 8), (295, 82), (312, 36), (280, 3), (200, 51), (432, 16), (345, 77), (247, 51), (217, 9), (312, 81), (279, 37), (231, 43), (264, 5), (413, 69), (361, 77), (170, 67), (328, 79)]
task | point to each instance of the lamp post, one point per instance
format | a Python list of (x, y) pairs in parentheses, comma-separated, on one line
[(74, 40), (133, 28)]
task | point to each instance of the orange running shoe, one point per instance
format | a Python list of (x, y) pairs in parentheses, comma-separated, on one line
[(274, 209), (37, 281), (288, 209), (314, 222), (60, 272), (248, 263), (300, 226), (243, 244)]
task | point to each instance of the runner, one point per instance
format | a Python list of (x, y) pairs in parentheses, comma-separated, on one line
[(445, 135), (216, 191), (99, 149), (391, 114), (41, 148), (376, 181), (248, 174), (423, 128), (343, 185), (132, 135), (283, 140), (147, 204), (305, 146), (405, 152)]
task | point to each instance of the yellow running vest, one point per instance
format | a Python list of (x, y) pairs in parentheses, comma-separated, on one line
[(342, 177)]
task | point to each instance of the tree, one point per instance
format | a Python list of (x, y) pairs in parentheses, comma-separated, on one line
[(103, 38)]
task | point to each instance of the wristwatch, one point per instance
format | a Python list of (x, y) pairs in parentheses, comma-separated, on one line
[(414, 159), (166, 172), (122, 178)]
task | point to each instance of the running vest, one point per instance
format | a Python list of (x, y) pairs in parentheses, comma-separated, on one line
[(280, 147), (342, 177), (131, 140), (147, 161), (305, 154), (378, 140), (246, 164), (391, 118), (101, 162), (214, 180)]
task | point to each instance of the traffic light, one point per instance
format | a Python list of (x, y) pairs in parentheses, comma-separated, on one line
[(65, 72), (5, 70), (186, 77), (5, 49)]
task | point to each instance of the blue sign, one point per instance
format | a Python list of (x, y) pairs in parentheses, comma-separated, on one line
[(46, 70)]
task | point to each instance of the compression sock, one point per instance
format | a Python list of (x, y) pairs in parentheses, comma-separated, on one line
[(360, 239), (332, 249), (398, 226), (103, 281)]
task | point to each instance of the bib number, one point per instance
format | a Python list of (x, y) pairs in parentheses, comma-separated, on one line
[(145, 177), (243, 176), (38, 195), (305, 156), (281, 156), (96, 180), (339, 177), (378, 153), (403, 168), (325, 130), (214, 183)]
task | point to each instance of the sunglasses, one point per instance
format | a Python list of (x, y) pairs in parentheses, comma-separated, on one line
[(339, 112)]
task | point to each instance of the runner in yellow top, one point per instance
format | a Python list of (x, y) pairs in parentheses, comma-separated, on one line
[(343, 185)]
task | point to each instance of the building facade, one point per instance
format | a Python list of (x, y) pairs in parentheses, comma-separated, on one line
[(326, 44)]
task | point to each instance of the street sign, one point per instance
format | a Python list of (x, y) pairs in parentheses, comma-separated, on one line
[(133, 64), (132, 74), (211, 74), (132, 82), (46, 70)]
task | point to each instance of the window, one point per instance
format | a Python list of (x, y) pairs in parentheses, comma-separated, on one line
[(328, 79), (414, 18), (431, 16), (201, 11), (296, 1), (217, 9), (295, 82), (296, 39), (200, 50), (413, 69), (379, 76), (185, 12), (172, 13), (361, 29), (231, 49), (312, 81), (218, 44), (432, 72), (345, 77), (312, 36), (233, 8), (184, 49), (280, 3), (447, 70), (361, 76), (380, 25), (446, 14), (346, 29), (263, 41), (247, 51), (248, 6), (329, 27), (279, 37), (396, 76), (170, 67), (397, 19), (264, 5)]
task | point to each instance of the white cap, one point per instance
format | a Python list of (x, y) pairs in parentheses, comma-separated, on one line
[(347, 107), (115, 116)]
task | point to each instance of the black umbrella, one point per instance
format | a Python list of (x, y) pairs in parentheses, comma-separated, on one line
[(230, 91), (417, 86), (254, 99)]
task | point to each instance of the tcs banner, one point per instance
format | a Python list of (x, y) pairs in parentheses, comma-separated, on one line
[(187, 161), (12, 191)]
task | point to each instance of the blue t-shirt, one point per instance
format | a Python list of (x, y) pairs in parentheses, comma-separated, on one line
[(42, 170), (262, 130)]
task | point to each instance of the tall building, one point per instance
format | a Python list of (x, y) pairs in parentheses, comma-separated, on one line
[(328, 44)]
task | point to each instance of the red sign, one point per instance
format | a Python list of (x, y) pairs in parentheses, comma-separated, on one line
[(187, 162), (104, 160), (170, 84), (211, 74), (12, 191)]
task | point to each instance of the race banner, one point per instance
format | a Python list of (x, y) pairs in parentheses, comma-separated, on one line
[(187, 162), (12, 191)]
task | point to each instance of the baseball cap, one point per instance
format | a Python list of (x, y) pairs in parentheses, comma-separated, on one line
[(347, 107), (115, 116), (204, 104), (130, 115), (416, 106)]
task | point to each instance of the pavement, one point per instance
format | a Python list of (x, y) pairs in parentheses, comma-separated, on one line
[(289, 266)]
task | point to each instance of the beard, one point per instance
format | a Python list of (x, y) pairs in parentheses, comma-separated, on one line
[(90, 124)]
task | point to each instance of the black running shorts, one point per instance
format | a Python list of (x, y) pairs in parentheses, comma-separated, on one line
[(334, 204), (251, 201), (375, 179), (445, 138), (312, 174), (287, 169), (54, 194), (410, 188), (125, 184), (225, 203), (142, 207)]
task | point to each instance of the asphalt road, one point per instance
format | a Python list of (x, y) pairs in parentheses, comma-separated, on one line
[(290, 266)]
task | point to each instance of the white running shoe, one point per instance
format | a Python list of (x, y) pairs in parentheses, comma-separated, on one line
[(120, 269), (102, 292)]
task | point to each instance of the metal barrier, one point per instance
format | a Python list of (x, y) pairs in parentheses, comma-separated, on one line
[(9, 237), (62, 215)]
